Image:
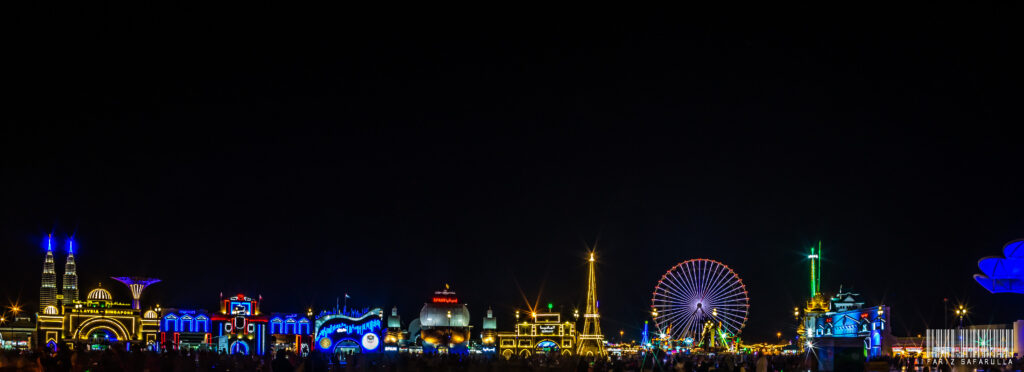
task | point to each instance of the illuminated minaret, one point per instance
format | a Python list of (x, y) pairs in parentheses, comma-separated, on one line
[(591, 341), (70, 276), (48, 289)]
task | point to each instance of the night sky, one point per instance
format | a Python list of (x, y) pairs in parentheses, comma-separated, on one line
[(303, 154)]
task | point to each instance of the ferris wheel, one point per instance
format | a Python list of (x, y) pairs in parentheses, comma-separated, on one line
[(696, 291)]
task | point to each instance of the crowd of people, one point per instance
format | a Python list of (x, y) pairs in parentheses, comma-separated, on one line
[(115, 360)]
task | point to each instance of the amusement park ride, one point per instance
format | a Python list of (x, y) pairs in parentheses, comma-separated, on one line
[(699, 304)]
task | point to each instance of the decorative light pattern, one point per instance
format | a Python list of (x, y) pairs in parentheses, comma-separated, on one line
[(99, 294), (969, 343), (590, 339), (696, 291)]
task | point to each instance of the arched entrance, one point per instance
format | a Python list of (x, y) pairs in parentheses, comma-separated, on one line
[(100, 338), (118, 330), (239, 347), (345, 347), (547, 347), (507, 353)]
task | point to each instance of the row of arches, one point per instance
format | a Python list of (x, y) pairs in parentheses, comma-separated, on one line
[(185, 323), (289, 326), (542, 347)]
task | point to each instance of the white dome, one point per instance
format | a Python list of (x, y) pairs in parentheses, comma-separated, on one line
[(150, 315), (436, 315), (51, 310), (99, 294)]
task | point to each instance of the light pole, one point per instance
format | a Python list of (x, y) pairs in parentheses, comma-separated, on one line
[(515, 349), (960, 313)]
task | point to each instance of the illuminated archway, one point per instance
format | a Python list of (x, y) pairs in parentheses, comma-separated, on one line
[(507, 353), (547, 346), (524, 353), (120, 331), (239, 347), (107, 332)]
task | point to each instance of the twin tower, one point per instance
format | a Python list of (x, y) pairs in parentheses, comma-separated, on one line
[(48, 291)]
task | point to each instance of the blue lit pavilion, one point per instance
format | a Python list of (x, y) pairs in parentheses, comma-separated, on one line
[(1004, 274)]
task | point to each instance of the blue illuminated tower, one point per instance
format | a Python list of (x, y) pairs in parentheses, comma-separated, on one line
[(48, 289), (136, 284), (644, 339), (70, 282)]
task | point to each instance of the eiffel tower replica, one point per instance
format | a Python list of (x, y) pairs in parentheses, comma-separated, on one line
[(590, 341)]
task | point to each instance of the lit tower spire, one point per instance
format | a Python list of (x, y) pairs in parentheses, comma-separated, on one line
[(590, 340), (70, 276), (48, 289), (815, 270), (137, 284)]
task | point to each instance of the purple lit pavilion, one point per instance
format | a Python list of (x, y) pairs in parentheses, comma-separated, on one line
[(136, 284)]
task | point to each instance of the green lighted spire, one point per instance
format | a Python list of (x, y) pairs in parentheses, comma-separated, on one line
[(815, 270)]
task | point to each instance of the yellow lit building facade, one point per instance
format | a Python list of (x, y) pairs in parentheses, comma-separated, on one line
[(542, 333), (97, 323)]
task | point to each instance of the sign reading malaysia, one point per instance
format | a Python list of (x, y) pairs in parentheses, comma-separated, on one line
[(334, 331)]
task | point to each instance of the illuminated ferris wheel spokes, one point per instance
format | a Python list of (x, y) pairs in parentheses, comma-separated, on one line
[(696, 291)]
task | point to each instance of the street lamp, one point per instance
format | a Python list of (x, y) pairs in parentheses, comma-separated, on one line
[(621, 333), (778, 335), (960, 313), (796, 312)]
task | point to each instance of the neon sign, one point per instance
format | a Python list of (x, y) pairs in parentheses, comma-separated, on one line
[(241, 308), (445, 300)]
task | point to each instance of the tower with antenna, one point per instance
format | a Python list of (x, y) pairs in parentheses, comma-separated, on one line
[(70, 282), (48, 288), (590, 341), (137, 284)]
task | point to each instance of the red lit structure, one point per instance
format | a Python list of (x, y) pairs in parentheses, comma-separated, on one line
[(240, 327)]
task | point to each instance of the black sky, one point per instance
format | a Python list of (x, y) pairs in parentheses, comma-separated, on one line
[(302, 154)]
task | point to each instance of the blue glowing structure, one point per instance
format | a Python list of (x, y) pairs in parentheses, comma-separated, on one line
[(190, 328), (869, 325), (1004, 275), (644, 339), (341, 333), (289, 324), (186, 321)]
